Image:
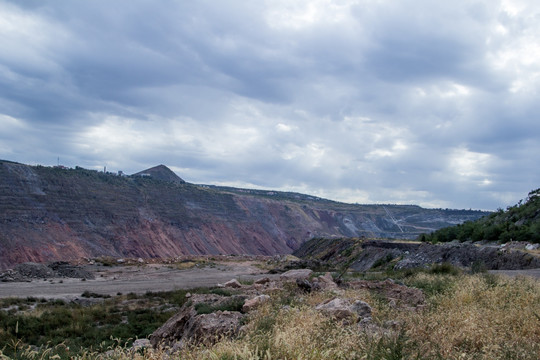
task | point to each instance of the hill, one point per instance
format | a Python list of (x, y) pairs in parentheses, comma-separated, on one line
[(160, 172), (520, 222), (52, 213)]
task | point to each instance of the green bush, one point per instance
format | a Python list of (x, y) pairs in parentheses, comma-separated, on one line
[(444, 268), (517, 223)]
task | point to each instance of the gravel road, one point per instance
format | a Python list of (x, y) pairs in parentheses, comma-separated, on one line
[(136, 279), (535, 273)]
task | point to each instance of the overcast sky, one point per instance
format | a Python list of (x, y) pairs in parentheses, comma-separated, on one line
[(425, 102)]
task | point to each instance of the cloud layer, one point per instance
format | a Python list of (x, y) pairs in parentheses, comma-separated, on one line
[(368, 101)]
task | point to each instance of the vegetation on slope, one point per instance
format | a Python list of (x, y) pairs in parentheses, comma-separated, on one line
[(520, 222)]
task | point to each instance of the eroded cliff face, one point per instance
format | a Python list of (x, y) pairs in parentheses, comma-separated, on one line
[(61, 214)]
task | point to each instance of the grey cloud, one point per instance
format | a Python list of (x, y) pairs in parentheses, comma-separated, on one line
[(381, 101)]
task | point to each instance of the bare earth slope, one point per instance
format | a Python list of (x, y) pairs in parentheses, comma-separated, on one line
[(61, 214)]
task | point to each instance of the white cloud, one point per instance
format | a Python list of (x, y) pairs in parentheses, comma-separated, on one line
[(298, 15), (466, 164)]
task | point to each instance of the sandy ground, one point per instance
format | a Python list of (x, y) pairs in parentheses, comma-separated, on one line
[(136, 279)]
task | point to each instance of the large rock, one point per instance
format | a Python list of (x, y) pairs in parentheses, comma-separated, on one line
[(326, 282), (233, 284), (398, 296), (345, 309), (296, 274), (139, 344), (262, 281), (304, 285), (189, 327), (174, 329), (255, 302), (208, 328)]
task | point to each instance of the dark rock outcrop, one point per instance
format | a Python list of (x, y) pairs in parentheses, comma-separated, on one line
[(190, 327), (362, 255)]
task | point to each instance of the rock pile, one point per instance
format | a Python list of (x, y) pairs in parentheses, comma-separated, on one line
[(58, 269)]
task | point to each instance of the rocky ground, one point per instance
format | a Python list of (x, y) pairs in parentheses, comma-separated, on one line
[(205, 318), (242, 290)]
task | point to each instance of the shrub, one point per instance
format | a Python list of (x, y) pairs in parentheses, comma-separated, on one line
[(444, 268)]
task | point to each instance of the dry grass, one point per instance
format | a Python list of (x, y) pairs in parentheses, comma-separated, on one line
[(477, 317), (485, 317)]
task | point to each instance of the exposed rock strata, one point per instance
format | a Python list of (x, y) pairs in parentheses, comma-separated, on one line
[(63, 214)]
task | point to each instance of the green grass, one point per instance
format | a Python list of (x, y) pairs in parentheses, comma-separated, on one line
[(54, 324), (233, 304)]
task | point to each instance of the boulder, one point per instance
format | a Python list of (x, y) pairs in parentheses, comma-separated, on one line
[(361, 309), (262, 281), (174, 329), (398, 296), (233, 284), (208, 328), (296, 274), (189, 327), (326, 282), (141, 344), (345, 309), (304, 285), (254, 303)]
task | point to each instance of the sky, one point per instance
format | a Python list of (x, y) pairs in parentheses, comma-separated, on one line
[(433, 103)]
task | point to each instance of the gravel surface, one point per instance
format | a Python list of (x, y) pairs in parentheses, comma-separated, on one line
[(136, 279)]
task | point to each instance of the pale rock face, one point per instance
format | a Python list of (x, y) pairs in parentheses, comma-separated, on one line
[(233, 284), (254, 303), (141, 344), (296, 274), (345, 309), (326, 282), (262, 281)]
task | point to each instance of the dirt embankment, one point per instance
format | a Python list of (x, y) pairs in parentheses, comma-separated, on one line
[(465, 255), (363, 255)]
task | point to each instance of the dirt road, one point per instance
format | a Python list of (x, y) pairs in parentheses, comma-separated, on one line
[(535, 273), (136, 279)]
